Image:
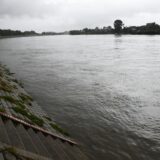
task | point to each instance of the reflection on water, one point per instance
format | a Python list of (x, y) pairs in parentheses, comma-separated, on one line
[(103, 89)]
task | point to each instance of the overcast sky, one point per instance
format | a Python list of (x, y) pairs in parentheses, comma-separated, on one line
[(62, 15)]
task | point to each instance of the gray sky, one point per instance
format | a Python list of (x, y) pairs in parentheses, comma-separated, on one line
[(61, 15)]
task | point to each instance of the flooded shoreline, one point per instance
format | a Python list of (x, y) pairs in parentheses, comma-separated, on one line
[(105, 88)]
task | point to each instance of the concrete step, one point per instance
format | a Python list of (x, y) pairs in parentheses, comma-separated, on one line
[(38, 143), (55, 155), (13, 135), (3, 133), (27, 141), (1, 156), (33, 140), (68, 150), (57, 148), (79, 153)]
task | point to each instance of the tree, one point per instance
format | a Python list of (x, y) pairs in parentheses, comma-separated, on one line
[(152, 28), (118, 24)]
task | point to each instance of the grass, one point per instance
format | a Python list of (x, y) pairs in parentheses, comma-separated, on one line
[(13, 101), (33, 118), (9, 99), (59, 129), (20, 108), (25, 98), (36, 120), (4, 86), (48, 118)]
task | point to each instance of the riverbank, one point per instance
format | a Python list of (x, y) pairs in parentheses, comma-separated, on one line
[(15, 101), (27, 132)]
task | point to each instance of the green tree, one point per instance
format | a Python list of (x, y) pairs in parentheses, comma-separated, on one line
[(118, 25)]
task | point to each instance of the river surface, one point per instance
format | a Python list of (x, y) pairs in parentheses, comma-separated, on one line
[(103, 89)]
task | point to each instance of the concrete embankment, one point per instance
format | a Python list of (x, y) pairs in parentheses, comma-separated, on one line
[(26, 130)]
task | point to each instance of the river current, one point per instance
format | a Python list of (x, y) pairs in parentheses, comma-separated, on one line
[(103, 89)]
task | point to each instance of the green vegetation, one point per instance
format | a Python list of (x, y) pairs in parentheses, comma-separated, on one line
[(13, 101), (118, 24), (21, 102), (33, 118), (36, 120), (26, 99), (2, 110), (48, 118), (4, 86), (18, 82), (119, 28), (9, 99), (8, 32), (59, 129), (20, 108), (11, 150)]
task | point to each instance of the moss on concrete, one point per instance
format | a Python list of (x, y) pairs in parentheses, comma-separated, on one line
[(13, 101), (4, 86), (33, 118), (2, 109), (48, 118), (59, 129)]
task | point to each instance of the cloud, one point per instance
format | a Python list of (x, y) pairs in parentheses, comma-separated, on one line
[(62, 15), (32, 8)]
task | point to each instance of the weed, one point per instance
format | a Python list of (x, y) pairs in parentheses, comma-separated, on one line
[(33, 118), (59, 129), (13, 101), (4, 86), (25, 98)]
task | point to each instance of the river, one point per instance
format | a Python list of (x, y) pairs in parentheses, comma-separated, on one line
[(103, 89)]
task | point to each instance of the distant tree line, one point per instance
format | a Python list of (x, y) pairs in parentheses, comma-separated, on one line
[(8, 32), (104, 30), (53, 33), (119, 28)]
